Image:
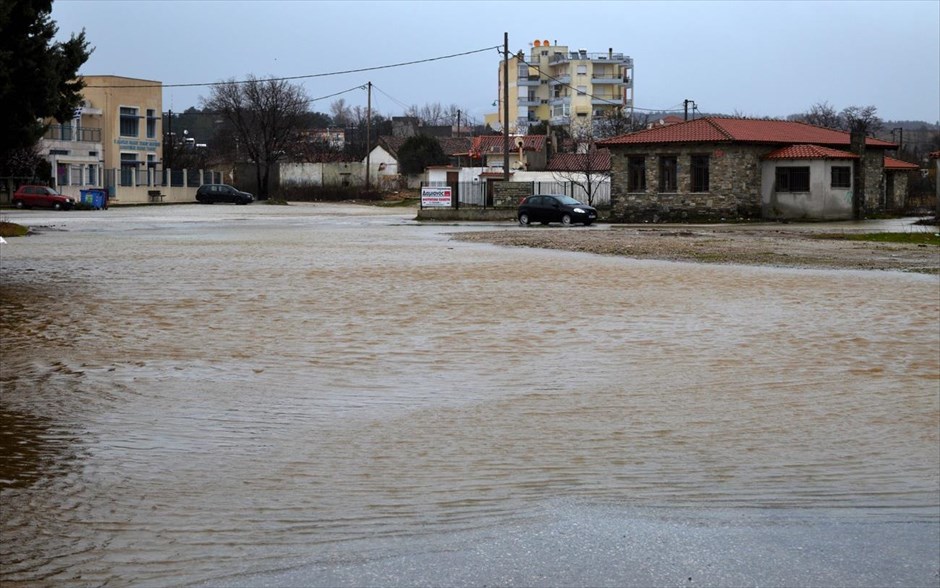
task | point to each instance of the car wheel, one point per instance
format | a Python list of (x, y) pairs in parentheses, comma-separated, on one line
[(523, 218), (19, 204), (57, 206), (566, 220)]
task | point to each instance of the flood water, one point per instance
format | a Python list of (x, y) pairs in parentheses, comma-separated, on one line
[(192, 393)]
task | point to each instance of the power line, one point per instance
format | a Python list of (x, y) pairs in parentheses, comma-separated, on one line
[(303, 77)]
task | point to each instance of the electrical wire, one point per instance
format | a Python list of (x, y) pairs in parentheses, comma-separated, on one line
[(304, 77)]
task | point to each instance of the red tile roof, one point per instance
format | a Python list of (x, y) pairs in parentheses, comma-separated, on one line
[(809, 152), (897, 164), (493, 144), (450, 145), (742, 130), (578, 162)]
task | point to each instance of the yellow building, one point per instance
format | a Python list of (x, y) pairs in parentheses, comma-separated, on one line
[(565, 88), (129, 113)]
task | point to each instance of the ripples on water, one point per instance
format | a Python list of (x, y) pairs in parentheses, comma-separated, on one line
[(180, 403)]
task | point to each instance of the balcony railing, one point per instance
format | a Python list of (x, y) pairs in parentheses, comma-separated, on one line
[(608, 79), (70, 133)]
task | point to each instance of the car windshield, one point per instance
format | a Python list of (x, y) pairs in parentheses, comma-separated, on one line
[(568, 200)]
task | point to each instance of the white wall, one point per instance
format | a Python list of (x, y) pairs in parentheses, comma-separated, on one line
[(822, 202)]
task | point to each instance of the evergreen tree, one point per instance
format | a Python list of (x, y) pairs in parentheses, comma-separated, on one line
[(38, 77)]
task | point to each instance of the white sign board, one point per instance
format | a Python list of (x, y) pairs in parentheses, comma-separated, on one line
[(436, 197)]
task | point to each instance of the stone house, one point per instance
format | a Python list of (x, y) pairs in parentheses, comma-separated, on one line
[(718, 168)]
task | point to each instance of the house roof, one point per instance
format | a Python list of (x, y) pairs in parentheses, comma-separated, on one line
[(450, 145), (896, 164), (742, 130), (578, 162), (809, 152), (493, 144)]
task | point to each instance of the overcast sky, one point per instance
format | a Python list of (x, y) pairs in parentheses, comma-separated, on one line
[(759, 58)]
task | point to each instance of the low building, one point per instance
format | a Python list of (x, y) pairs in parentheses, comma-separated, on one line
[(75, 151), (717, 168), (131, 119)]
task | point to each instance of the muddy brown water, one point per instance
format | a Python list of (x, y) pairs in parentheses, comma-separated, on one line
[(191, 390)]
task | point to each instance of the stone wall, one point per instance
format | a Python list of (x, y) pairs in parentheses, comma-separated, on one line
[(874, 170), (734, 184)]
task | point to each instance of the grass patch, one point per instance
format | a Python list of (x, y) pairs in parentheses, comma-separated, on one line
[(920, 238), (12, 229)]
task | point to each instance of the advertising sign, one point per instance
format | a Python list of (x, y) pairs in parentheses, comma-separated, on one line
[(436, 197)]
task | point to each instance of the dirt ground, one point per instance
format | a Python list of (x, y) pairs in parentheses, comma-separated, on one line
[(725, 244)]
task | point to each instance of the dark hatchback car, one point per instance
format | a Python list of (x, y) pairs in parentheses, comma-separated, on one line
[(555, 208), (41, 196), (210, 193)]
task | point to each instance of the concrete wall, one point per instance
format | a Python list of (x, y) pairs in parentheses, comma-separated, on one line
[(822, 202)]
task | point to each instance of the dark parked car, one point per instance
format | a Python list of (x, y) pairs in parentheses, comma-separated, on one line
[(555, 208), (209, 193), (42, 196)]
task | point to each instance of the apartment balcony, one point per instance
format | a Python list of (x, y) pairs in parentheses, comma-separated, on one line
[(608, 80), (72, 134), (609, 57), (607, 101), (529, 81), (562, 79), (529, 101), (561, 120)]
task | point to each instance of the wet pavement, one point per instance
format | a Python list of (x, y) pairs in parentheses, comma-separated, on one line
[(339, 395)]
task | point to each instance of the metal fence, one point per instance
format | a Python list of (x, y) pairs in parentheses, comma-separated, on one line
[(477, 193), (131, 176)]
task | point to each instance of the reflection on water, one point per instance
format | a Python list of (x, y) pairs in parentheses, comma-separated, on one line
[(180, 402)]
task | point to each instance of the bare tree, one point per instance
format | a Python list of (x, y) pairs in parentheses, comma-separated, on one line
[(342, 112), (822, 114), (434, 114), (614, 123), (863, 119), (265, 115), (587, 169)]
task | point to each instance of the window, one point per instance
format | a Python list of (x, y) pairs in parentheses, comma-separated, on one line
[(841, 176), (636, 174), (700, 173), (128, 169), (582, 70), (130, 124), (667, 173), (151, 124), (792, 179), (582, 90)]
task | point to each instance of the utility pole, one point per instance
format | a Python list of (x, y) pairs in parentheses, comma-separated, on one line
[(505, 107), (686, 103), (368, 135)]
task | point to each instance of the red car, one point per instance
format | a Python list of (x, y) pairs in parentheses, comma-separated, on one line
[(41, 196)]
